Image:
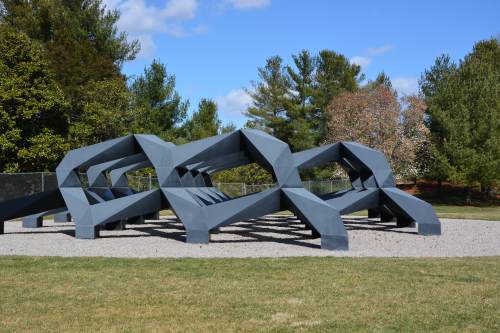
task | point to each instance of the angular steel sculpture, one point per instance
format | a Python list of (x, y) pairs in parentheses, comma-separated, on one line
[(186, 188)]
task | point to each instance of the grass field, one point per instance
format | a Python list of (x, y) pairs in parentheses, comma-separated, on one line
[(278, 295), (491, 213)]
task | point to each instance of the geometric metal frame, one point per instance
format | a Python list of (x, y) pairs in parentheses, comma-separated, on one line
[(186, 188)]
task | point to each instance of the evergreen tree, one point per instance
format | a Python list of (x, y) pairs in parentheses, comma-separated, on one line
[(204, 122), (382, 80), (159, 108), (80, 38), (305, 118), (290, 101), (228, 128), (271, 98), (334, 75), (464, 115)]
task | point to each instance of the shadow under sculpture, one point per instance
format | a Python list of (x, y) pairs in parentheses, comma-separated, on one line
[(185, 186)]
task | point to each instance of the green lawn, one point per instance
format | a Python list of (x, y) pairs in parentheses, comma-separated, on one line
[(468, 212), (247, 295), (491, 213)]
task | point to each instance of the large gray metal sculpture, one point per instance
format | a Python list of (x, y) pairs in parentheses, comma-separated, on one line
[(185, 187)]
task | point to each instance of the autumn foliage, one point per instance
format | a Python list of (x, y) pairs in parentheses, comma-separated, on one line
[(377, 118)]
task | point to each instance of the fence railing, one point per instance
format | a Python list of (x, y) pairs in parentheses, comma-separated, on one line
[(14, 185)]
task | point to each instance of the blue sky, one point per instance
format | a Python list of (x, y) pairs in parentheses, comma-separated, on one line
[(215, 46)]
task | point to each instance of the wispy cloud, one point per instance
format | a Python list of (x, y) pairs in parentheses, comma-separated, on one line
[(360, 61), (366, 60), (234, 104), (380, 50), (248, 4), (142, 20), (181, 9), (148, 46), (405, 85)]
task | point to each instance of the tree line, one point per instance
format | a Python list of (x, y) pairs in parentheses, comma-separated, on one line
[(61, 87)]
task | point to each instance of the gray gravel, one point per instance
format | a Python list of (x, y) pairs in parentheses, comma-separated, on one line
[(272, 236)]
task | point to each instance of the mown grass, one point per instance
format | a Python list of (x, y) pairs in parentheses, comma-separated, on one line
[(491, 213), (248, 295)]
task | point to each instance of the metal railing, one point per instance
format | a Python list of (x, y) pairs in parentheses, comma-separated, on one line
[(14, 185)]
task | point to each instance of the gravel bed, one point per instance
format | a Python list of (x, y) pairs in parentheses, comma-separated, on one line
[(271, 236)]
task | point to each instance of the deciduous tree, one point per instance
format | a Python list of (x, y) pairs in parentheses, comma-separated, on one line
[(106, 113), (374, 117), (32, 106)]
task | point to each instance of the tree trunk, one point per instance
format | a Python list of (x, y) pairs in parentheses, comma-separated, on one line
[(486, 191), (468, 195)]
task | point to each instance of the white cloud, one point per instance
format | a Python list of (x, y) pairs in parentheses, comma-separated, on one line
[(249, 4), (360, 61), (200, 29), (181, 9), (405, 86), (139, 17), (148, 47), (380, 50), (234, 104), (111, 4), (141, 20)]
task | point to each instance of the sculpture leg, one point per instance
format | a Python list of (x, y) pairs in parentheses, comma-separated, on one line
[(315, 233), (62, 217), (152, 216), (373, 213), (307, 226), (86, 231), (197, 236), (2, 228), (116, 225), (322, 217), (403, 222), (429, 229), (136, 220), (32, 221), (386, 215), (408, 208)]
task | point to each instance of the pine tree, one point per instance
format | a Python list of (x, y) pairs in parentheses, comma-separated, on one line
[(159, 108), (81, 40), (271, 98), (464, 115), (305, 118), (204, 122), (334, 75), (290, 101)]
